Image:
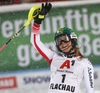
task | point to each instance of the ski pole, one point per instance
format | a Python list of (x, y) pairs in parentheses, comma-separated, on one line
[(34, 11)]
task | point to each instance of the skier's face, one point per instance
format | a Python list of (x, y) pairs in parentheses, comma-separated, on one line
[(65, 45)]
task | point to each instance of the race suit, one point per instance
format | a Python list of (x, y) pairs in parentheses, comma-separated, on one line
[(66, 73)]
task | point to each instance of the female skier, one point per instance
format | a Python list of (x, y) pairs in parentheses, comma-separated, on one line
[(68, 66)]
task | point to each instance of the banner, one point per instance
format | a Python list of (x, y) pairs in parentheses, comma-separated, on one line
[(36, 81), (19, 54), (25, 82)]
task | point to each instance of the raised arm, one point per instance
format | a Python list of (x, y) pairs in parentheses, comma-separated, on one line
[(35, 34)]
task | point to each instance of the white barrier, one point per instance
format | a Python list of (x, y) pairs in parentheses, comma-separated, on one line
[(35, 82)]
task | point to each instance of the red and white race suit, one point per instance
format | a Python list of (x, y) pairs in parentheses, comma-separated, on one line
[(66, 73)]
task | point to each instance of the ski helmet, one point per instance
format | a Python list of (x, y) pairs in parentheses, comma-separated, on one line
[(69, 34)]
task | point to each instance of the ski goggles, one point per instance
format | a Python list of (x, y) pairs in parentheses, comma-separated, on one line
[(60, 39)]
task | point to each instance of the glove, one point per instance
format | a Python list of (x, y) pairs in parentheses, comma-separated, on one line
[(45, 9)]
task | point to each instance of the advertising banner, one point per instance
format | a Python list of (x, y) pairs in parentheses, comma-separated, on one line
[(25, 82), (19, 54), (35, 81)]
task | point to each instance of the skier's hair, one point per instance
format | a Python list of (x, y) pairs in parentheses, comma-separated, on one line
[(78, 53)]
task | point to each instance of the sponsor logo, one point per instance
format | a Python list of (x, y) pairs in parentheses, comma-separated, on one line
[(37, 79), (60, 30), (90, 77), (59, 70), (8, 82)]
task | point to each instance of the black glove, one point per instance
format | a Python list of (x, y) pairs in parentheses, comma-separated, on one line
[(45, 9)]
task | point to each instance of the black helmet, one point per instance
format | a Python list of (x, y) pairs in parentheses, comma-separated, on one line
[(69, 34)]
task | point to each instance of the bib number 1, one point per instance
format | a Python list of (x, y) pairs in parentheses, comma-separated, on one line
[(63, 78)]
